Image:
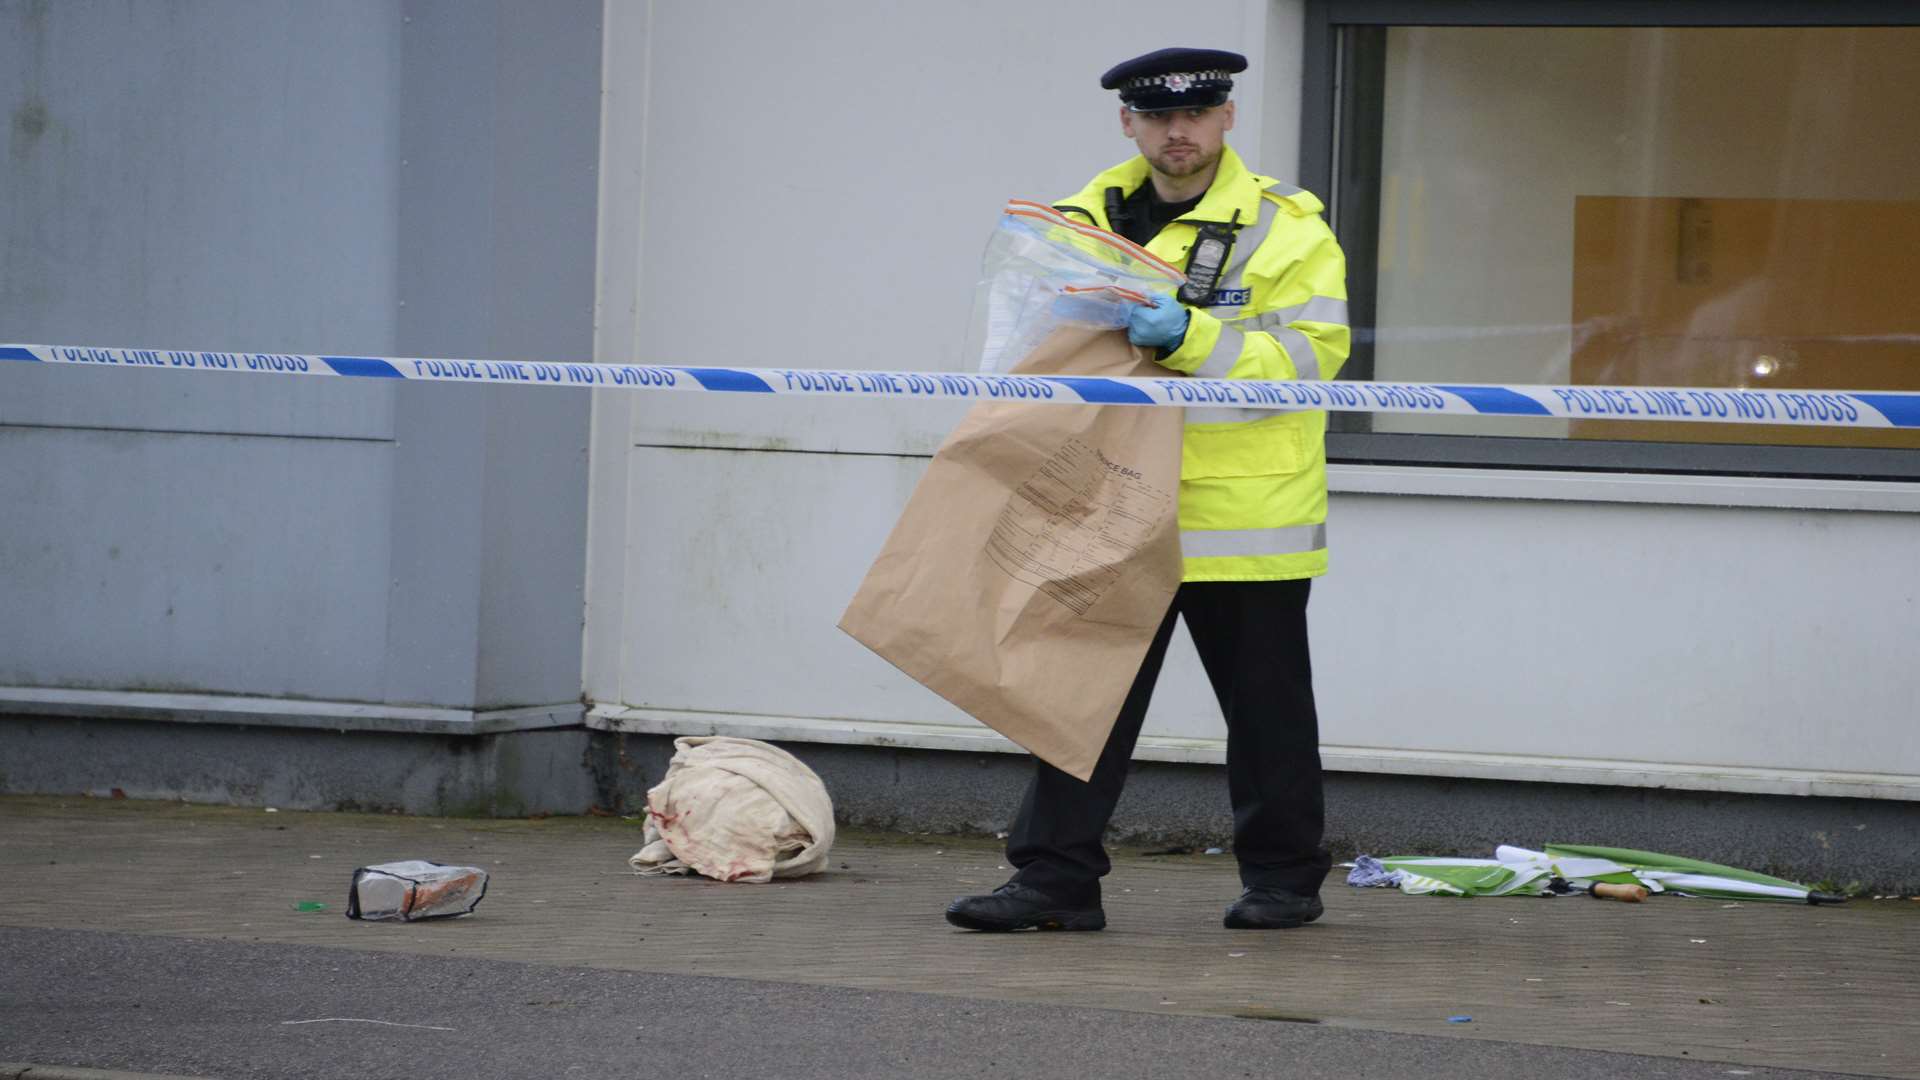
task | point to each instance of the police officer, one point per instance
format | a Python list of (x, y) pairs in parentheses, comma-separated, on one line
[(1265, 299)]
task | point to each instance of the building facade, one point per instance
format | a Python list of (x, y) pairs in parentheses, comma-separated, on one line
[(1646, 632)]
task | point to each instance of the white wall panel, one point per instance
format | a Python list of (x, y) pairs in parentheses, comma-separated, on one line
[(743, 564), (1707, 636), (818, 182), (123, 573), (1697, 640)]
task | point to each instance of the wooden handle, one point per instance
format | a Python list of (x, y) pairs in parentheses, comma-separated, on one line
[(1632, 894)]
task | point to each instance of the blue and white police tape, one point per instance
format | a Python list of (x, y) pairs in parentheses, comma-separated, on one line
[(1817, 408)]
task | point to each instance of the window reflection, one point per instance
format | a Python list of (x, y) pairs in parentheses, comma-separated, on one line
[(1666, 207)]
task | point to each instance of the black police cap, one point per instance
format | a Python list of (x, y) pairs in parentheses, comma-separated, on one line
[(1169, 79)]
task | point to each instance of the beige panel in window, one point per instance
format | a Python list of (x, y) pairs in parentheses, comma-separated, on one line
[(1763, 293)]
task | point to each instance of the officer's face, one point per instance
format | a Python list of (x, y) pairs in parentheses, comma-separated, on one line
[(1182, 142)]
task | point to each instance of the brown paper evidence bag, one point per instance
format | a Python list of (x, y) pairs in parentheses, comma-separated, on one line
[(1037, 557)]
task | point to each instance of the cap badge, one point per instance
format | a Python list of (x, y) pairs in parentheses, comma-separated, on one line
[(1179, 83)]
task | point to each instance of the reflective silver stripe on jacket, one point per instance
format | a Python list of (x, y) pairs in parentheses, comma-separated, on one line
[(1320, 309), (1306, 362), (1219, 362), (1324, 309), (1214, 543), (1226, 351)]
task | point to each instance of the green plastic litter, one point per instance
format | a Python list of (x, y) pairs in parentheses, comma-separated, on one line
[(309, 905)]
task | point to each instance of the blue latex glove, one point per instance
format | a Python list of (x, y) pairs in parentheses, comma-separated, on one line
[(1162, 326)]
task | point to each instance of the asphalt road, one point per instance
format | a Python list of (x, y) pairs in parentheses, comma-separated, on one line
[(225, 1009)]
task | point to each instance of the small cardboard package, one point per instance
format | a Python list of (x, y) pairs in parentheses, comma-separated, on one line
[(1036, 558)]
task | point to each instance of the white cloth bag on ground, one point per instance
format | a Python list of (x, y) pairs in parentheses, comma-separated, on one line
[(736, 810)]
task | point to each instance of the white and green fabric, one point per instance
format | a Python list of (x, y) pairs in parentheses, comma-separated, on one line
[(1467, 877), (1692, 877), (1512, 871), (1561, 868)]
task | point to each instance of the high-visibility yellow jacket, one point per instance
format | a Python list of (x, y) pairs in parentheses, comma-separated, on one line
[(1253, 484)]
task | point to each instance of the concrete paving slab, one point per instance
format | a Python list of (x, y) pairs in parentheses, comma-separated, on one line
[(1779, 986)]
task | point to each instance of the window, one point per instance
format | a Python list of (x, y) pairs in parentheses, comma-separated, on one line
[(1623, 194)]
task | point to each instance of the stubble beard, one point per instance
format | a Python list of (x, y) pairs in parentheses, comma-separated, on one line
[(1181, 169)]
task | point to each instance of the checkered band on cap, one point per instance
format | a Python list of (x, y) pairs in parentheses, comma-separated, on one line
[(1178, 81)]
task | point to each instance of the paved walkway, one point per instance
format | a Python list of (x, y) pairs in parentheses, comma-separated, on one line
[(1751, 985)]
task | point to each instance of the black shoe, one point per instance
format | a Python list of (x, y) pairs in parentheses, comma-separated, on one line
[(1014, 906), (1272, 909)]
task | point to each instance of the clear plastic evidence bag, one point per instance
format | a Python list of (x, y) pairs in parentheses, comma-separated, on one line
[(414, 889), (1044, 270)]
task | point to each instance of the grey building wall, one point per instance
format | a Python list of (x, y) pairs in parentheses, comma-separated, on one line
[(385, 178)]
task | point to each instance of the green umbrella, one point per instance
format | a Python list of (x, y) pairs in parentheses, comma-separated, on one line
[(1563, 868), (1511, 872), (1694, 877)]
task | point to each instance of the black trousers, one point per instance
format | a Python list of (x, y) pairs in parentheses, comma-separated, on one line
[(1252, 639)]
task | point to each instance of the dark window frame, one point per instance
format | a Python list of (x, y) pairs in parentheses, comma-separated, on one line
[(1341, 113)]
